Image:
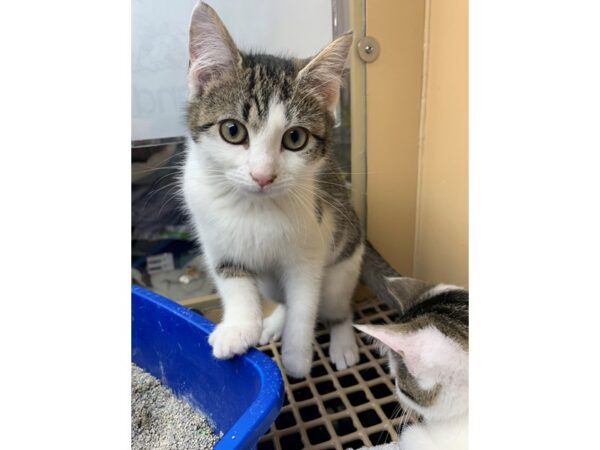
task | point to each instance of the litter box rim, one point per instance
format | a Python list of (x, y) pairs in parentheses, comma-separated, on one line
[(245, 432)]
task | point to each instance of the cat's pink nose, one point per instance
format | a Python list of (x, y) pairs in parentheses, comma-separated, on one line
[(263, 179)]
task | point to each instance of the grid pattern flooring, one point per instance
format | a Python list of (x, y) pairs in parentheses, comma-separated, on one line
[(351, 408)]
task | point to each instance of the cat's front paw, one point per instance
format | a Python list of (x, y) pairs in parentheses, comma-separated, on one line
[(297, 363), (230, 339)]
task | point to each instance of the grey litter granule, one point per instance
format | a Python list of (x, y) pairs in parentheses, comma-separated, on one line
[(160, 421)]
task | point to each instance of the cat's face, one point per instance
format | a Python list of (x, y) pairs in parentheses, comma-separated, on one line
[(428, 352), (261, 123)]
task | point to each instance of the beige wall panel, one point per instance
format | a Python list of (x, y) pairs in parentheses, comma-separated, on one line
[(441, 245), (393, 90)]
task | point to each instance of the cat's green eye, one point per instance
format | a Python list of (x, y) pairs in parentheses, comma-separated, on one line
[(233, 132), (295, 139)]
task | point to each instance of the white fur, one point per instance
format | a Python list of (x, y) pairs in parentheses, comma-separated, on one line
[(273, 325), (445, 435), (440, 289), (451, 434), (336, 292), (343, 350), (273, 230), (264, 159), (242, 319), (433, 358)]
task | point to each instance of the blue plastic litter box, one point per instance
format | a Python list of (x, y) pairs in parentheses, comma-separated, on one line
[(241, 396)]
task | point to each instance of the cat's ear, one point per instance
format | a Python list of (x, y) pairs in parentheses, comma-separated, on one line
[(212, 51), (398, 341), (323, 73), (383, 333), (406, 291), (422, 350)]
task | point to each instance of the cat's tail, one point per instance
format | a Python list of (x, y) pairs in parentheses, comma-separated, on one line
[(387, 284)]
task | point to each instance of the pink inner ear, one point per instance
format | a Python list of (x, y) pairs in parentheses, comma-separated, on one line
[(395, 341), (425, 352), (330, 94)]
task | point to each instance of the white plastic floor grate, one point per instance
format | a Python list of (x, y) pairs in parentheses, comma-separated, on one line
[(338, 410)]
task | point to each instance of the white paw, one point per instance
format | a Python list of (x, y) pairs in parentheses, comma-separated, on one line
[(269, 333), (228, 340), (272, 328), (297, 363), (343, 350)]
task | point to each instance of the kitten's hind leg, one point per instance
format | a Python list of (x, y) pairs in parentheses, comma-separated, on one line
[(336, 308), (273, 325), (343, 350)]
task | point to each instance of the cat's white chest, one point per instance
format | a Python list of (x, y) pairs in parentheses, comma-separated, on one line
[(255, 228), (260, 233)]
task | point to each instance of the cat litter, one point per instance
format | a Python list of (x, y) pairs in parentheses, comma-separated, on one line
[(159, 421)]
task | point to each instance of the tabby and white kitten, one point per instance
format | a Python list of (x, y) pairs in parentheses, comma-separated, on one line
[(428, 351), (266, 197)]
